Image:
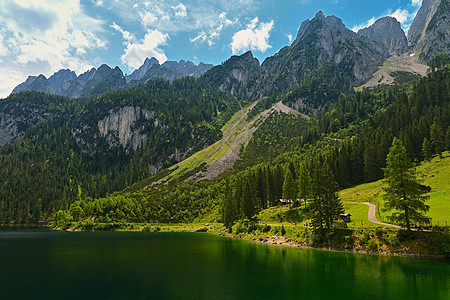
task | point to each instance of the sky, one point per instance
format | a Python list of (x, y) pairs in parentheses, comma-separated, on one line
[(44, 36)]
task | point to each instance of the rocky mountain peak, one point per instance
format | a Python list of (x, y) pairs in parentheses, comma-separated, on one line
[(430, 31), (423, 17), (139, 73), (387, 31)]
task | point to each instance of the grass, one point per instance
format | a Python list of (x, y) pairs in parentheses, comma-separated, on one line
[(359, 215), (212, 152), (435, 174)]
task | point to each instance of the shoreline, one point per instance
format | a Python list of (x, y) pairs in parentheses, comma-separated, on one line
[(217, 229), (282, 241)]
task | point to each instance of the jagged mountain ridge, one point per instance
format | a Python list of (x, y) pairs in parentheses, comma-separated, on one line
[(96, 81)]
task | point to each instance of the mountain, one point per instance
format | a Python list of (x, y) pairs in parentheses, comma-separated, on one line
[(429, 33), (319, 41), (236, 76), (324, 47), (138, 74), (387, 31), (104, 79), (170, 71)]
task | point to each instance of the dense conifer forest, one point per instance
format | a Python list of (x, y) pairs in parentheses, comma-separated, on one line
[(344, 146)]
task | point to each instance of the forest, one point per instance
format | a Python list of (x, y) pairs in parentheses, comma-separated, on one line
[(49, 176), (291, 158)]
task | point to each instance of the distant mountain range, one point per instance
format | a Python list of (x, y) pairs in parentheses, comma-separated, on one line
[(323, 46), (96, 81)]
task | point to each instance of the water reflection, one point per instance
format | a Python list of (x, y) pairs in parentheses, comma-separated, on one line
[(200, 266)]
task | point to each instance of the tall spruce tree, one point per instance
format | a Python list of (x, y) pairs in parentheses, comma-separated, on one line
[(437, 138), (289, 189), (447, 139), (426, 149), (325, 203), (304, 183), (403, 191)]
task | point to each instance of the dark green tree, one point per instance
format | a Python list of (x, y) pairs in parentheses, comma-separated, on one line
[(304, 183), (229, 207), (289, 189), (437, 138), (325, 203), (403, 189), (426, 149), (447, 138)]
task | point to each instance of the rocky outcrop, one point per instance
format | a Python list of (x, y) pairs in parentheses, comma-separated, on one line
[(429, 33), (387, 31), (16, 118), (423, 17), (121, 128)]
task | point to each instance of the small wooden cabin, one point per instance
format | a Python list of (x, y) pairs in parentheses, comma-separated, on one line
[(345, 218)]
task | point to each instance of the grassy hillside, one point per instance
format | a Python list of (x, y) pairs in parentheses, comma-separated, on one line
[(435, 174)]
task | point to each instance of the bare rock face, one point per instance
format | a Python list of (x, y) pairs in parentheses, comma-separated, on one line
[(387, 31), (423, 17), (122, 127), (16, 118), (119, 127), (429, 34)]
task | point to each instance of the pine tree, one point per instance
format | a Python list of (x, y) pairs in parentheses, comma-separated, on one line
[(426, 149), (403, 191), (437, 138), (229, 207), (304, 183), (325, 203), (289, 190), (447, 138)]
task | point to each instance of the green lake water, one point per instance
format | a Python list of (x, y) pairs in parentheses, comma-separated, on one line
[(39, 264)]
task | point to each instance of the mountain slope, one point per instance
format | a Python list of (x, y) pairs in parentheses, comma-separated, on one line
[(429, 33)]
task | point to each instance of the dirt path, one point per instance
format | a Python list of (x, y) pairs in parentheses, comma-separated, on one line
[(372, 218)]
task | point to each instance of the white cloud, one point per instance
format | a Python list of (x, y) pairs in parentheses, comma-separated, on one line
[(149, 46), (98, 3), (180, 10), (254, 37), (147, 19), (126, 35), (364, 25), (214, 31), (44, 36), (402, 15), (416, 2), (289, 36)]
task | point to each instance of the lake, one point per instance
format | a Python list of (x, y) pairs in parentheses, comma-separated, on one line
[(43, 264)]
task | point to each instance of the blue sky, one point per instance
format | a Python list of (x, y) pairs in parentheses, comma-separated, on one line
[(44, 36)]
